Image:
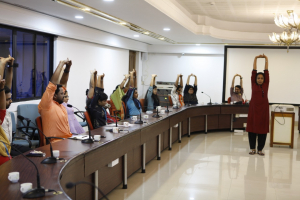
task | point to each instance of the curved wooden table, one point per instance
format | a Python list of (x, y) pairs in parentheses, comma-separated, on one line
[(135, 148)]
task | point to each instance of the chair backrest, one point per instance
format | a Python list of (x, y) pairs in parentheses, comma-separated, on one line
[(170, 100), (29, 111), (142, 101), (13, 121), (88, 119), (229, 100), (110, 109), (39, 124)]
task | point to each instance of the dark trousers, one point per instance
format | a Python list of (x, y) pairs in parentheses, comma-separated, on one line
[(21, 148), (261, 140)]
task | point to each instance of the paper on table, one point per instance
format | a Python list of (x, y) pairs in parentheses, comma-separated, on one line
[(79, 137)]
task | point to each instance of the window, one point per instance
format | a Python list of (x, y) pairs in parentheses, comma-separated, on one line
[(33, 52)]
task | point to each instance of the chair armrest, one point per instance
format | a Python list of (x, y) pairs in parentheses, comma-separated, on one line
[(26, 133), (21, 138), (53, 138), (56, 138), (79, 115)]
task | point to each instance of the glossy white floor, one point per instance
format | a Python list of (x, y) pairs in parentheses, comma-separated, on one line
[(218, 166)]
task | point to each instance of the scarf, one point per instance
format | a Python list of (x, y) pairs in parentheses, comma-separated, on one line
[(3, 138)]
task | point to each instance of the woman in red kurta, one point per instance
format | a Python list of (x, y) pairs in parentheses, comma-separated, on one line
[(258, 116)]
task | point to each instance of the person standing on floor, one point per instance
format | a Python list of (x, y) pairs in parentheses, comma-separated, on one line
[(258, 115)]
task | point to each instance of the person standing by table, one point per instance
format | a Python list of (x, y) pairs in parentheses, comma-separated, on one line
[(236, 92), (258, 115)]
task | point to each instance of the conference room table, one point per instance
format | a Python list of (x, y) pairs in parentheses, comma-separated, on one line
[(133, 147)]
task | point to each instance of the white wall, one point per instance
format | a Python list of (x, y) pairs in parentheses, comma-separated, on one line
[(88, 56), (208, 68)]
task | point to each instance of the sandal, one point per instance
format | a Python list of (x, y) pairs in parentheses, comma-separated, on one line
[(252, 152), (260, 153)]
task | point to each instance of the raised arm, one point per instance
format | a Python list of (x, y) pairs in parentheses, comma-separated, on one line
[(196, 82), (131, 79), (124, 81), (92, 83), (9, 72), (241, 81), (181, 82), (188, 79), (177, 79), (3, 62), (266, 62), (135, 78), (55, 77), (100, 79), (153, 80), (232, 85), (2, 94), (65, 77)]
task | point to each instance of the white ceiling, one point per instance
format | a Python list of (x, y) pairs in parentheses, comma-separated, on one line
[(253, 11), (145, 15)]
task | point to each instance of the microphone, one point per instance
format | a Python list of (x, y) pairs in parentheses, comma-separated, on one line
[(51, 159), (167, 111), (89, 140), (71, 185), (156, 115), (116, 117), (209, 98), (36, 192), (139, 122)]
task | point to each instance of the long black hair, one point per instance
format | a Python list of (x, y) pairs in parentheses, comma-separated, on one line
[(154, 97), (257, 76)]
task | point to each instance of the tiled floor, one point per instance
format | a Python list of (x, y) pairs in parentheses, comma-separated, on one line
[(217, 166)]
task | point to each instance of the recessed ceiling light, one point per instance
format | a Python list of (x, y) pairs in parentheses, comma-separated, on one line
[(86, 9), (146, 33), (198, 44), (167, 29), (136, 36), (78, 17), (108, 0), (161, 38)]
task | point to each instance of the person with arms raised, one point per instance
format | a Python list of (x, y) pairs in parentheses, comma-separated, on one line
[(151, 98), (54, 114), (96, 108), (116, 97), (7, 122), (258, 114), (4, 148), (176, 93), (133, 105), (236, 92), (190, 92)]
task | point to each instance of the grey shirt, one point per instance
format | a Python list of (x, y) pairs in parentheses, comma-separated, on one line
[(236, 97)]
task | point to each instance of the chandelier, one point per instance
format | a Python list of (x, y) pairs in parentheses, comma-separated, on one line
[(291, 25)]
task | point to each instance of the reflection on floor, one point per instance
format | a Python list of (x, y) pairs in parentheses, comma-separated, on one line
[(217, 166)]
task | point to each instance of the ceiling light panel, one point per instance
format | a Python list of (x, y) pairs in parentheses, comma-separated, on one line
[(97, 13)]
